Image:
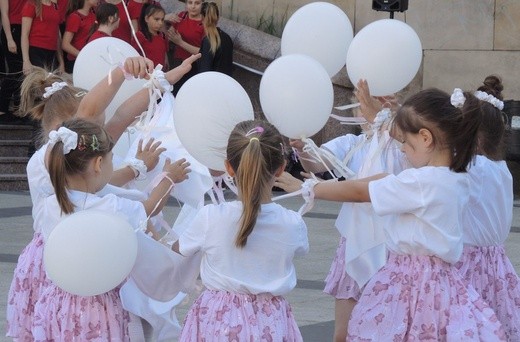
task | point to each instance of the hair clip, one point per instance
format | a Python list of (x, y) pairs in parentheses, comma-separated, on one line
[(95, 143), (81, 144), (80, 93), (257, 129)]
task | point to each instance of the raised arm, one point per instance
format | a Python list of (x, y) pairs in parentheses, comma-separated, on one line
[(136, 104), (94, 103)]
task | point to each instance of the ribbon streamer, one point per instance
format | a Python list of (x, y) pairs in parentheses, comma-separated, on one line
[(324, 156), (345, 107)]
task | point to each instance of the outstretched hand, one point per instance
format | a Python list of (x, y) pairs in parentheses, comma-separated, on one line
[(288, 183), (139, 67), (369, 105), (177, 171), (297, 144), (150, 153)]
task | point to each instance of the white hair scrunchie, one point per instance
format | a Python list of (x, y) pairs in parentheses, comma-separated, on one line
[(457, 98), (56, 86), (483, 96), (66, 136)]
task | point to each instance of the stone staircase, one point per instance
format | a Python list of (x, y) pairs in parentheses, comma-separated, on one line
[(15, 141)]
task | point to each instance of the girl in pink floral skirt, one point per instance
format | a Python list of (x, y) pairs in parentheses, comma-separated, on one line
[(247, 248), (80, 165), (419, 295), (487, 222)]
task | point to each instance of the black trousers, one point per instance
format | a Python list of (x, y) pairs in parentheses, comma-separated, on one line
[(10, 87)]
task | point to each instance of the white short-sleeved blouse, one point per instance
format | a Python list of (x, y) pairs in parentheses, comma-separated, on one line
[(263, 265), (427, 207), (487, 221)]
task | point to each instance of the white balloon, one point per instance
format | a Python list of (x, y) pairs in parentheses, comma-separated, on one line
[(95, 61), (90, 252), (296, 95), (387, 53), (319, 30), (207, 108)]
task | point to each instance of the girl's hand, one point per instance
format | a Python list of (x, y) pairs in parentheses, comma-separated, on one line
[(11, 46), (389, 101), (27, 67), (150, 153), (139, 67), (297, 144), (172, 18), (369, 105), (178, 171), (174, 36), (288, 183)]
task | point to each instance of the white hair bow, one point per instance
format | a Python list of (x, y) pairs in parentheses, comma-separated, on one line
[(457, 98), (56, 86), (66, 136)]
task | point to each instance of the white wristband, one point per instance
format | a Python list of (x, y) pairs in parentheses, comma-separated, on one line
[(138, 166), (308, 195)]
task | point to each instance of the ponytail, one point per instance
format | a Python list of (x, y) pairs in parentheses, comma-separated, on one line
[(254, 151), (465, 143), (57, 173), (210, 20), (252, 177)]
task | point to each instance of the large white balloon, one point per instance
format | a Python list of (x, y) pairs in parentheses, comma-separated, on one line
[(319, 30), (95, 61), (387, 53), (90, 252), (296, 95), (207, 108)]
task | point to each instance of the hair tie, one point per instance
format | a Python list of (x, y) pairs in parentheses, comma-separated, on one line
[(257, 129), (66, 136), (457, 98), (254, 138), (56, 86), (483, 96)]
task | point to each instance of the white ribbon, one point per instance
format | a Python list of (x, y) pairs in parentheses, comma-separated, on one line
[(324, 156), (306, 191), (66, 136), (56, 86), (483, 96), (353, 105)]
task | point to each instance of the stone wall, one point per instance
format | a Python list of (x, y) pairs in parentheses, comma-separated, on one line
[(463, 40)]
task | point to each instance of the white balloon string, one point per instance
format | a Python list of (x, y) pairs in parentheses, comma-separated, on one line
[(132, 29), (149, 189), (323, 155), (353, 105), (349, 120), (288, 195)]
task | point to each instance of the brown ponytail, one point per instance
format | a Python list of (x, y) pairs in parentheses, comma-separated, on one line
[(254, 151), (211, 15)]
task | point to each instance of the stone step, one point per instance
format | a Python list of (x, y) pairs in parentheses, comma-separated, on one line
[(16, 132), (13, 182), (14, 148), (13, 165)]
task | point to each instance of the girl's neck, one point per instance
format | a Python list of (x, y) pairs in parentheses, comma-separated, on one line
[(442, 158), (106, 29), (85, 10), (78, 183), (197, 17)]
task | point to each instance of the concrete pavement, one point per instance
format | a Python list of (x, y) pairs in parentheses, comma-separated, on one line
[(314, 310)]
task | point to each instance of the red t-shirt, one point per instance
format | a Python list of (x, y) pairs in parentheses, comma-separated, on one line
[(79, 25), (192, 33), (62, 8), (134, 9), (96, 35), (123, 31), (45, 28), (15, 11), (155, 50)]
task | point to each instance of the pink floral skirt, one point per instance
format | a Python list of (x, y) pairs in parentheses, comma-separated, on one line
[(29, 280), (225, 316), (421, 298), (338, 283), (490, 272), (61, 316)]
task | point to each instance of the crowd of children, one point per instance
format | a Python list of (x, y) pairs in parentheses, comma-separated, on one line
[(50, 34)]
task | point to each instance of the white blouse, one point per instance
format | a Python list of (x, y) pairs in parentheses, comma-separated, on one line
[(427, 206), (263, 265), (489, 215)]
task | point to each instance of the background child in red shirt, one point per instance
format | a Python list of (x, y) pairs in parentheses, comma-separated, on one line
[(150, 35)]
